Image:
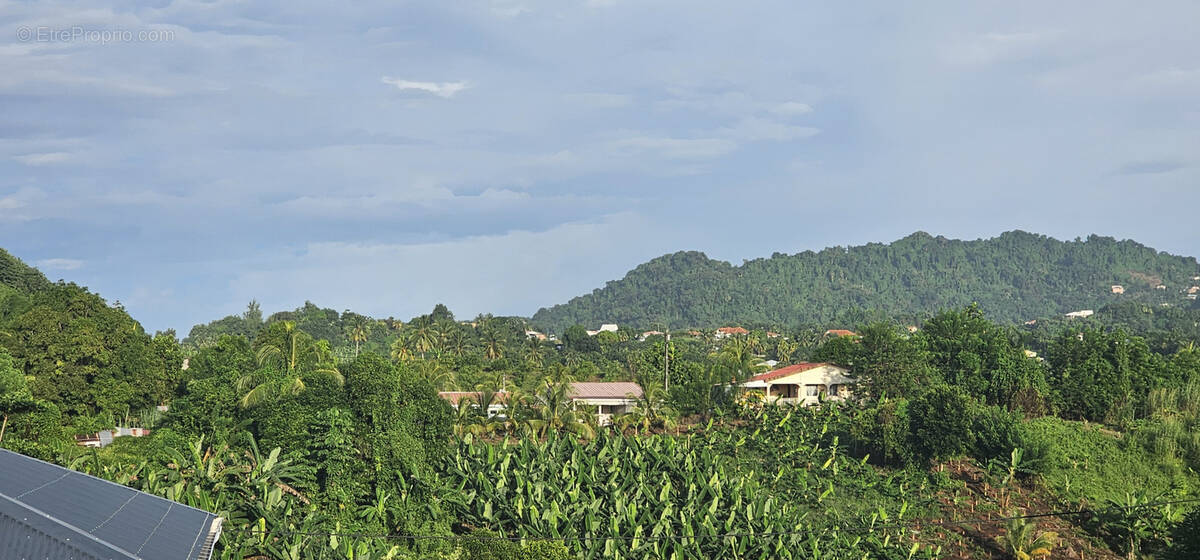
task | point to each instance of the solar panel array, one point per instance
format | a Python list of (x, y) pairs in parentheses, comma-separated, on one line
[(46, 507)]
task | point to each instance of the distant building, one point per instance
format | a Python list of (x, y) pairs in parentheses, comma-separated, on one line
[(535, 334), (1160, 287), (607, 327), (836, 333), (609, 398), (1081, 313), (803, 384), (1193, 289), (104, 438), (649, 334), (725, 332), (1118, 289), (913, 328), (772, 334), (497, 405), (1031, 322)]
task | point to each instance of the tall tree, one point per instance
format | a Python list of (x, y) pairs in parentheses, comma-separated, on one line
[(286, 358), (15, 397)]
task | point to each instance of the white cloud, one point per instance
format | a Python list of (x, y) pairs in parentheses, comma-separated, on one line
[(512, 272), (600, 100), (440, 89), (59, 264), (48, 158), (754, 129), (993, 47), (677, 148), (791, 109)]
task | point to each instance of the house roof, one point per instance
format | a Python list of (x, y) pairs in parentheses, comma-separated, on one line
[(786, 371), (499, 397), (733, 330), (840, 332), (47, 511), (605, 390)]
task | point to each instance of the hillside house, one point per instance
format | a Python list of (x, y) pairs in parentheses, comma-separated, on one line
[(609, 398), (835, 333), (1118, 289), (802, 384), (1193, 290), (725, 332), (1080, 314), (535, 334), (495, 408), (606, 327), (649, 334)]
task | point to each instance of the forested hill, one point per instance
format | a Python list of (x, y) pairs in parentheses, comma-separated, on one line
[(19, 276), (1014, 277)]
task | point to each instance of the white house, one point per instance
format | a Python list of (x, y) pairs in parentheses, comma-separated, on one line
[(804, 383), (609, 398), (1118, 289), (496, 407), (1081, 313)]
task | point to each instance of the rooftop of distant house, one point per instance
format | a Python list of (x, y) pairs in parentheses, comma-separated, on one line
[(840, 332), (788, 370), (732, 330)]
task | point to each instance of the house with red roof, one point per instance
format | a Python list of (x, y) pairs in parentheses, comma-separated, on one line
[(724, 332), (839, 333), (803, 384)]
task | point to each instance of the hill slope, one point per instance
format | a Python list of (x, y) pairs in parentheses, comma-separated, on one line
[(20, 276), (1014, 277)]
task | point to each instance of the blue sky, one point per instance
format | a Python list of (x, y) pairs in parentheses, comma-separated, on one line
[(499, 156)]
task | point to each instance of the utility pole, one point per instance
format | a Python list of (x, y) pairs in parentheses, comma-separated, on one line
[(667, 362)]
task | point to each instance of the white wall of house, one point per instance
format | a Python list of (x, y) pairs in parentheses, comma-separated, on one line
[(607, 408), (805, 387)]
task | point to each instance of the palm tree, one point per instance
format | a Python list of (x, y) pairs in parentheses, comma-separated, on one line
[(423, 335), (285, 368), (457, 343), (551, 410), (442, 331), (437, 373), (401, 349), (535, 356), (359, 333), (493, 343)]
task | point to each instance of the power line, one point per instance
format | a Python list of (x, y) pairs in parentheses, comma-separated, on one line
[(916, 523)]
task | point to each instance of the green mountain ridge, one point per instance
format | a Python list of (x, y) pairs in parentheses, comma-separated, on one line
[(18, 276), (1015, 276)]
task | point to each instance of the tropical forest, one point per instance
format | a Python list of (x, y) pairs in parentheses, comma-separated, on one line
[(974, 430)]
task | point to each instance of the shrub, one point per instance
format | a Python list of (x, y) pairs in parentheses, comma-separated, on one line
[(1185, 538), (941, 421)]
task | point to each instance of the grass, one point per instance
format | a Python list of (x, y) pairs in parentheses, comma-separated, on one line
[(1081, 463)]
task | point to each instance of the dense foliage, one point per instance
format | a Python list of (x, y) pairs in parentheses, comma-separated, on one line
[(1014, 277), (320, 434)]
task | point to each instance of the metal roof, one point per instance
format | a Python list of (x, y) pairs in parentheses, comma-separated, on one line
[(605, 390), (50, 512)]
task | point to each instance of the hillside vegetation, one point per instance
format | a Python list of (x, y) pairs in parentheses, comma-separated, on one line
[(1014, 277), (18, 276), (321, 434)]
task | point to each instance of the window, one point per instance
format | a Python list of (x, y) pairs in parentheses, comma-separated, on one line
[(813, 390)]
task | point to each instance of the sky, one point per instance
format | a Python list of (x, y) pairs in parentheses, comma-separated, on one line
[(499, 156)]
